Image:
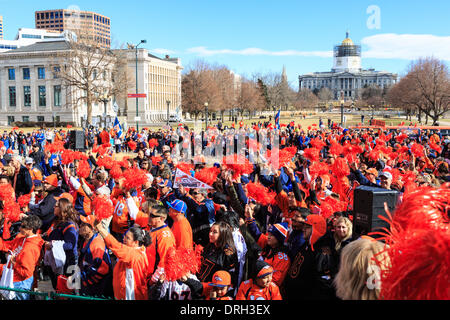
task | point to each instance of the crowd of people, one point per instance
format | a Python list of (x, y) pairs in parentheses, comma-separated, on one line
[(274, 223)]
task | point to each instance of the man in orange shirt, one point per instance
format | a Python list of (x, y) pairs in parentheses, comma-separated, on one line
[(181, 227), (162, 241)]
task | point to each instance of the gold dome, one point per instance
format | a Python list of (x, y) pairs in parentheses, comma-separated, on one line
[(347, 42)]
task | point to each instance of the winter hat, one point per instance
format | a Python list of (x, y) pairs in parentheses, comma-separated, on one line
[(319, 227), (177, 205), (262, 269), (52, 180), (279, 231)]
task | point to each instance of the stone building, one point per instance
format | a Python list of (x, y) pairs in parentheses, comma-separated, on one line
[(347, 75)]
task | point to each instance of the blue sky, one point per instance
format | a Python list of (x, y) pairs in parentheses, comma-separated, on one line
[(250, 36)]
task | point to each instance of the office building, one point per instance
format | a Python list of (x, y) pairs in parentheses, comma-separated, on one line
[(26, 37), (88, 26), (1, 28)]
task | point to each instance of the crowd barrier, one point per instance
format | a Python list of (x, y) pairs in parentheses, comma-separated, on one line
[(52, 295)]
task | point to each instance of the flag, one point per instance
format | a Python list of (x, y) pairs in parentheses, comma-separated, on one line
[(277, 119), (188, 181), (118, 128)]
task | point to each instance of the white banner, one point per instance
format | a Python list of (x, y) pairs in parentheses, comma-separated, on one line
[(188, 181)]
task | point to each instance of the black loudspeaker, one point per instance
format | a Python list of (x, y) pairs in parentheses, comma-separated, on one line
[(368, 205), (77, 141)]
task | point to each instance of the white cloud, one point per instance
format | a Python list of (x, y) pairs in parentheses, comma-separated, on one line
[(380, 46), (406, 46), (162, 51), (203, 51)]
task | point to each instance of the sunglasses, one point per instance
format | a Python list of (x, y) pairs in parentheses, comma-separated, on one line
[(154, 216), (195, 193)]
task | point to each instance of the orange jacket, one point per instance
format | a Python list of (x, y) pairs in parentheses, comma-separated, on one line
[(28, 253), (119, 222), (162, 241), (182, 231), (130, 272), (35, 174), (282, 202), (280, 262), (250, 291)]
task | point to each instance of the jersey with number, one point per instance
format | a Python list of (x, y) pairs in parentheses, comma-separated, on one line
[(162, 241), (279, 261), (176, 290), (120, 218)]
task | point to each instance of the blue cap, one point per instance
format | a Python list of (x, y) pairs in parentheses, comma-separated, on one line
[(177, 205), (165, 183)]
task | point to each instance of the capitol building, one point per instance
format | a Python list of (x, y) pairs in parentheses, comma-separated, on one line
[(347, 76)]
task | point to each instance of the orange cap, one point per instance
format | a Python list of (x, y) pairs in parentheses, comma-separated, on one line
[(52, 180), (221, 279), (65, 195)]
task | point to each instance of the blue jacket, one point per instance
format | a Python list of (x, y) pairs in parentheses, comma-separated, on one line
[(68, 232), (95, 271)]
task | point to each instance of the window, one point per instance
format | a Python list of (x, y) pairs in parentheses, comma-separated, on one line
[(31, 36), (42, 96), (27, 96), (41, 73), (25, 118), (57, 96), (56, 71), (40, 118), (11, 74), (11, 120), (26, 73), (12, 96)]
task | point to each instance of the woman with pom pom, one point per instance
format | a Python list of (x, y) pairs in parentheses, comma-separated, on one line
[(219, 254), (95, 264), (130, 273), (162, 240), (25, 252), (64, 228), (274, 251)]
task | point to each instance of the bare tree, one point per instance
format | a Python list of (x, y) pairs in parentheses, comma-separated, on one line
[(89, 74), (425, 89), (402, 95), (430, 78), (249, 98), (228, 88), (325, 95), (198, 87), (305, 99)]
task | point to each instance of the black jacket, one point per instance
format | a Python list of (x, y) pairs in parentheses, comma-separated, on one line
[(45, 210), (213, 260), (301, 278), (23, 182)]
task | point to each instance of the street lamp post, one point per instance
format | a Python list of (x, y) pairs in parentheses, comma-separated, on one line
[(105, 100), (168, 106), (137, 102), (206, 115), (342, 109)]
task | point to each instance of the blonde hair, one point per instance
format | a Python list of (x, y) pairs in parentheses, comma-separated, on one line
[(349, 225), (358, 269)]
